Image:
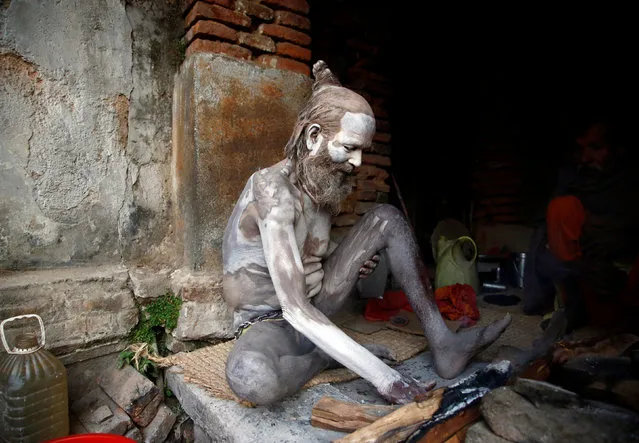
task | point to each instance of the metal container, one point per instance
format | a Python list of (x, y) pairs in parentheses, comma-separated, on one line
[(33, 390), (519, 264)]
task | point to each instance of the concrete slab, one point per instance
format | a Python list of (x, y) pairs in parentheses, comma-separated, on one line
[(289, 421)]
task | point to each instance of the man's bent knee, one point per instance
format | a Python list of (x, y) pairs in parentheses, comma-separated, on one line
[(252, 377), (386, 211)]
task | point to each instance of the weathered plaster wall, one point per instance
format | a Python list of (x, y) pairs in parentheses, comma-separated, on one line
[(231, 118), (85, 139)]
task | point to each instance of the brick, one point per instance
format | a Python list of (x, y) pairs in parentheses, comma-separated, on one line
[(253, 9), (147, 414), (382, 137), (362, 46), (293, 51), (210, 28), (373, 159), (382, 187), (300, 6), (84, 410), (370, 171), (383, 125), (134, 434), (207, 11), (348, 204), (257, 41), (366, 185), (132, 391), (199, 45), (158, 430), (346, 219), (372, 86), (285, 33), (379, 108), (373, 185), (188, 4), (363, 207), (283, 63), (380, 148), (293, 20), (363, 195)]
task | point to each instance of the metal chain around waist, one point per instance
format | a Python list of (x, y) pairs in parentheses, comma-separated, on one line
[(271, 315)]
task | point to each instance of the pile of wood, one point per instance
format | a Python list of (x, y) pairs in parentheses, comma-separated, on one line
[(444, 416), (522, 398)]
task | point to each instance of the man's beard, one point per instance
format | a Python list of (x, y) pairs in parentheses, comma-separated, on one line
[(328, 183)]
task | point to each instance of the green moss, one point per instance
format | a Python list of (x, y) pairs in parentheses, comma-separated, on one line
[(161, 314)]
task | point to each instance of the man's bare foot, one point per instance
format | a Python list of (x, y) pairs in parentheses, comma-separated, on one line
[(453, 352)]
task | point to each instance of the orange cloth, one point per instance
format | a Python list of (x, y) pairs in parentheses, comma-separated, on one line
[(565, 217), (458, 302)]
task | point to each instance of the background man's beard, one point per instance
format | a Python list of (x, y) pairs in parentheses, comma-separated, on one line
[(327, 182)]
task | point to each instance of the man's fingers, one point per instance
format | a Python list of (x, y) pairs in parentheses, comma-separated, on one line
[(370, 264)]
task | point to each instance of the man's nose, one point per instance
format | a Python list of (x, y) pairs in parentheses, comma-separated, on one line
[(355, 158)]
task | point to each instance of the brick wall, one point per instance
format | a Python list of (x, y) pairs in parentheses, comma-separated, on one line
[(351, 37), (273, 33), (497, 184), (277, 33)]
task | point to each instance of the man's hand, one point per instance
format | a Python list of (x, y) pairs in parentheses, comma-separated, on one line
[(369, 266), (408, 390)]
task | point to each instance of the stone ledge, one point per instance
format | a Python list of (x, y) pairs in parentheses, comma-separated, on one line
[(227, 420), (84, 309)]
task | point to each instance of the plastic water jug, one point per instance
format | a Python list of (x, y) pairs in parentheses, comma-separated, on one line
[(33, 389), (456, 262)]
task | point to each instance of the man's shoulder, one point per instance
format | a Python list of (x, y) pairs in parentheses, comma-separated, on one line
[(271, 179)]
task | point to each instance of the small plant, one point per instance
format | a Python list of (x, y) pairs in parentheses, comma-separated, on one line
[(161, 314), (141, 363)]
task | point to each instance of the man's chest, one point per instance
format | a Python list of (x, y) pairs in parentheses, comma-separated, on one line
[(312, 233)]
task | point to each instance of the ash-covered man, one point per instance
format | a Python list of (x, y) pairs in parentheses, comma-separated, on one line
[(284, 278)]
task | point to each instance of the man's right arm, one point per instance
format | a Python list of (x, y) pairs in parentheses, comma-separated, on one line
[(276, 224)]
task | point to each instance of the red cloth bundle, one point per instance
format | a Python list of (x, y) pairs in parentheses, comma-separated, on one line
[(458, 302)]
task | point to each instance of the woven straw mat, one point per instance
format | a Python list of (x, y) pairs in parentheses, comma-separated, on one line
[(205, 367)]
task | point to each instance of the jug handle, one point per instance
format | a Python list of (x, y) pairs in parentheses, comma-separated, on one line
[(22, 351), (465, 237)]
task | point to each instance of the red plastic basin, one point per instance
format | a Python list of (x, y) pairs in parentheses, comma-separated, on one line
[(92, 438)]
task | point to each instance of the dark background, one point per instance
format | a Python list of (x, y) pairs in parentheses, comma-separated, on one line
[(465, 81)]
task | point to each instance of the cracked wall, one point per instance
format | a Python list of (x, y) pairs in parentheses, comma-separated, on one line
[(85, 139)]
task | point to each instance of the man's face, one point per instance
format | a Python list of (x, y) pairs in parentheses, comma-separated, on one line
[(594, 148), (328, 168)]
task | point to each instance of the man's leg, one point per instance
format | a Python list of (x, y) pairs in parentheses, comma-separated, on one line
[(384, 227), (270, 361)]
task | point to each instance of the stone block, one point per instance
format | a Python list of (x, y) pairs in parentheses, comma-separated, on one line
[(88, 412), (158, 430), (204, 314), (83, 309), (174, 345), (133, 392), (148, 283), (134, 434)]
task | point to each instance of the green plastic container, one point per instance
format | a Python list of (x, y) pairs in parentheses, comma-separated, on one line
[(33, 390), (456, 262)]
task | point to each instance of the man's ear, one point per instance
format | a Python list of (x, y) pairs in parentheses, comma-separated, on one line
[(312, 134)]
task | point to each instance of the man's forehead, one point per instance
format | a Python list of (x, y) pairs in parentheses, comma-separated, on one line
[(358, 122)]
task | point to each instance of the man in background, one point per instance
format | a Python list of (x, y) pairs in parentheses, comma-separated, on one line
[(589, 242)]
